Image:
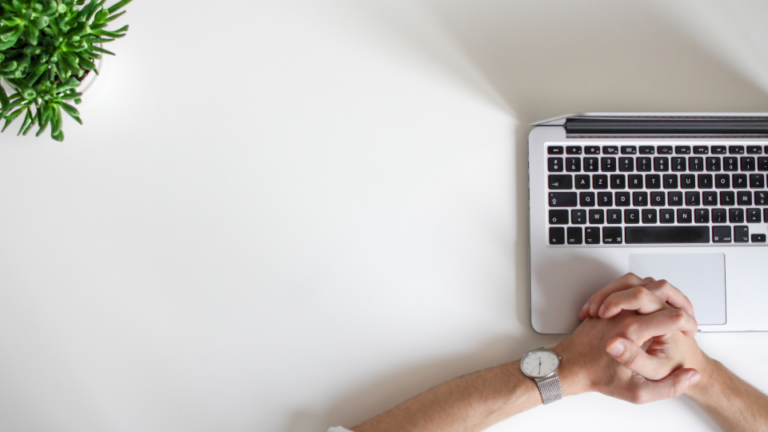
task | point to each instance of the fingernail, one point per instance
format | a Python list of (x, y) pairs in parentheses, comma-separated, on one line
[(593, 310), (584, 308), (616, 349), (602, 309), (695, 377)]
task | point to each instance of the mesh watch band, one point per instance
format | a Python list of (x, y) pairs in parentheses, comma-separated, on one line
[(550, 389)]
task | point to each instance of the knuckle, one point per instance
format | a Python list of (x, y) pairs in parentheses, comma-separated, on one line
[(640, 294), (677, 316)]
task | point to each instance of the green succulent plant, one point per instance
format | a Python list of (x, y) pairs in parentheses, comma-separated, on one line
[(46, 48)]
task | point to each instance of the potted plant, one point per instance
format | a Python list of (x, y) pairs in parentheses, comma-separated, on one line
[(47, 47)]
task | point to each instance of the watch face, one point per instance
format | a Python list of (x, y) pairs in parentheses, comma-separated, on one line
[(539, 364)]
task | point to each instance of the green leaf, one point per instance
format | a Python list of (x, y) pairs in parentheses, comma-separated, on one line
[(26, 122), (3, 98), (117, 6), (72, 111), (58, 136), (31, 123), (11, 117)]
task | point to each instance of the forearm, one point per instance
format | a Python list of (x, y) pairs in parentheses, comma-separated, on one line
[(735, 405), (465, 404)]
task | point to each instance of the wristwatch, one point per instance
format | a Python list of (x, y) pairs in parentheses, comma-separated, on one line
[(541, 365)]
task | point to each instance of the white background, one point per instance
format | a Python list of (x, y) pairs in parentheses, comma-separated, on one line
[(287, 215)]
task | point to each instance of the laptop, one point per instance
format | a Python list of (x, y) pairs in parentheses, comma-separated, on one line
[(680, 197)]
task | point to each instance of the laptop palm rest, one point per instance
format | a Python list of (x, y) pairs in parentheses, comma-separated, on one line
[(701, 277)]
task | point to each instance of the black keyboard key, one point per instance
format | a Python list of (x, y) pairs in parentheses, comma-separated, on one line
[(701, 215), (730, 163), (688, 181), (639, 199), (578, 217), (705, 181), (709, 198), (555, 150), (604, 199), (720, 150), (670, 181), (661, 164), (754, 150), (599, 181), (683, 150), (573, 150), (758, 238), (644, 164), (647, 150), (573, 164), (613, 216), (757, 181), (762, 164), (574, 236), (747, 163), (556, 236), (696, 164), (562, 199), (693, 199), (622, 199), (596, 217), (721, 234), (765, 214), (713, 164), (591, 164), (675, 198), (652, 181), (739, 181), (608, 164), (736, 215), (628, 150), (667, 150), (719, 215), (754, 216), (612, 235), (618, 181), (700, 150), (727, 198), (761, 198), (635, 181), (558, 217), (666, 216), (592, 235), (611, 150), (722, 181), (678, 164), (684, 216), (555, 164), (741, 234), (586, 199), (736, 150), (649, 216), (658, 199), (592, 150), (744, 198), (666, 234), (631, 216), (583, 181), (563, 181), (626, 164)]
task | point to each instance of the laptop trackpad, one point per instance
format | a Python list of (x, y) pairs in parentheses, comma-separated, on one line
[(701, 277)]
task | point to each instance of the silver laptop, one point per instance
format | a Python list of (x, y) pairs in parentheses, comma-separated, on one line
[(680, 197)]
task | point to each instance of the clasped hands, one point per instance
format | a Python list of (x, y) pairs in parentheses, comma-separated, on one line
[(635, 343)]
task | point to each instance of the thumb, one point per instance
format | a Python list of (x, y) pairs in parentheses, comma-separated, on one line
[(670, 387)]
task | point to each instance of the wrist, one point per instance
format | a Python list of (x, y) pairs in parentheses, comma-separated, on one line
[(573, 380), (708, 369)]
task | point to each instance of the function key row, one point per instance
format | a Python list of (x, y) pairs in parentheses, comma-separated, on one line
[(662, 150)]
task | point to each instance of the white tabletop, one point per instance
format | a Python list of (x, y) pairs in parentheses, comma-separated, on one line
[(287, 215)]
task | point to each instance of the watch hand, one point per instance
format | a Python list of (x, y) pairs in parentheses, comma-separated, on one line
[(539, 366)]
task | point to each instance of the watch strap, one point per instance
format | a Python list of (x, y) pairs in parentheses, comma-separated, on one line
[(550, 389)]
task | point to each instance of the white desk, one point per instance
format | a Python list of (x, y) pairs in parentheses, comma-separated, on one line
[(286, 215)]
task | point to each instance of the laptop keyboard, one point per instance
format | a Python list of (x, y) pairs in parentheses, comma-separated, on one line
[(656, 194)]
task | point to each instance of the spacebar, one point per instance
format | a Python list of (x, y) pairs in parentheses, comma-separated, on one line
[(670, 234)]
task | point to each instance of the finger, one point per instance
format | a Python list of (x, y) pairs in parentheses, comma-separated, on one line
[(640, 328), (636, 359), (592, 305), (637, 299), (670, 387), (671, 295)]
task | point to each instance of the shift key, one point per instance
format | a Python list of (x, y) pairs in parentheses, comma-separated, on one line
[(562, 199)]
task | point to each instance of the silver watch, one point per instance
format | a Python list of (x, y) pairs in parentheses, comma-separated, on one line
[(541, 365)]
